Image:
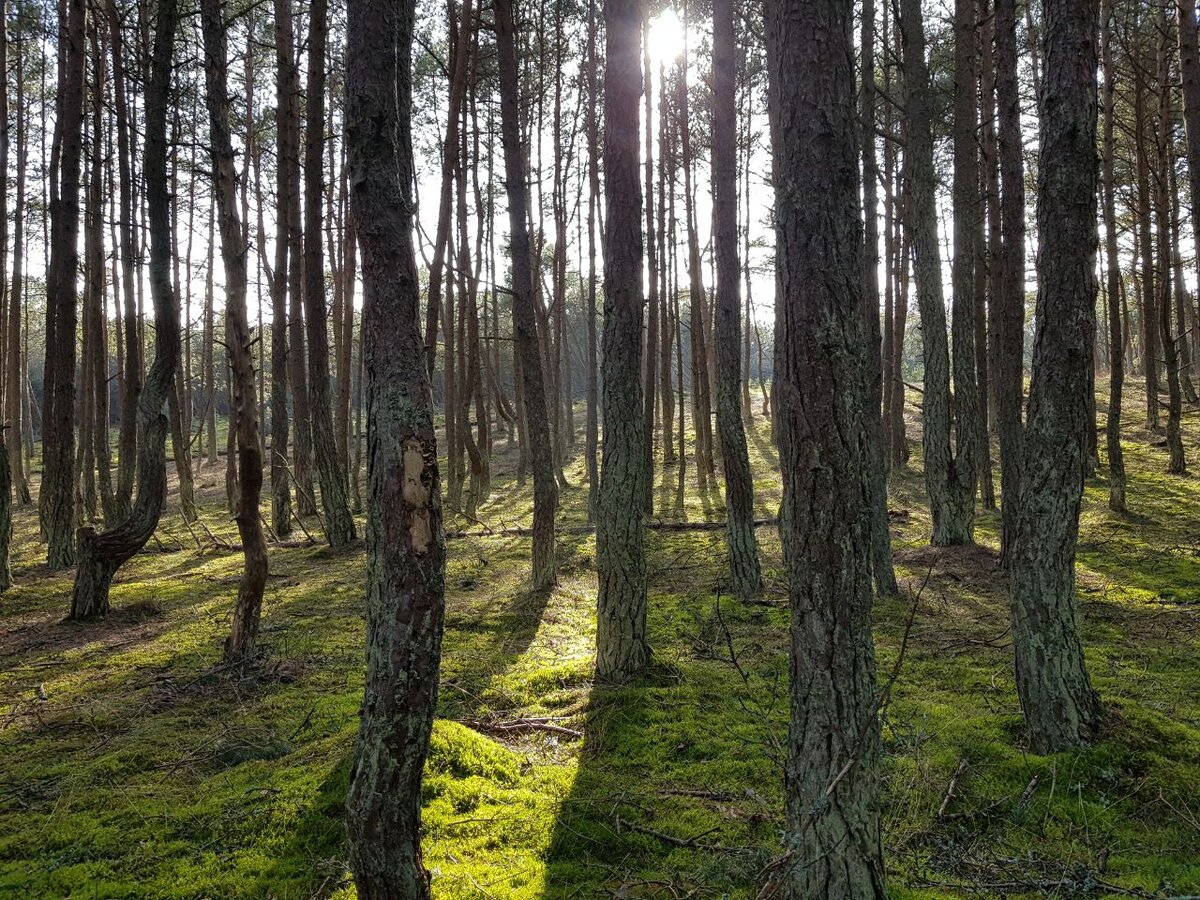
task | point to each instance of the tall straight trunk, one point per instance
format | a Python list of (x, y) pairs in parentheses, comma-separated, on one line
[(101, 555), (208, 362), (1189, 66), (592, 413), (1180, 293), (12, 365), (621, 643), (1113, 287), (243, 412), (832, 837), (701, 393), (967, 205), (1062, 711), (17, 415), (650, 361), (881, 538), (405, 541), (745, 572), (293, 272), (949, 477), (667, 323), (339, 524), (987, 248), (132, 378), (537, 415), (1145, 215), (1009, 302), (1176, 463), (58, 432), (460, 32), (281, 492)]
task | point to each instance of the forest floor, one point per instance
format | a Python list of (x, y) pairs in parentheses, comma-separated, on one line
[(130, 766)]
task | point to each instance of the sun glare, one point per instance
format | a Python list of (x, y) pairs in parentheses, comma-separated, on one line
[(666, 37)]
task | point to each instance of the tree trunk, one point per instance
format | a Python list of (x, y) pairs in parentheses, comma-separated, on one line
[(1009, 320), (881, 538), (822, 392), (339, 524), (949, 477), (744, 570), (281, 492), (1176, 464), (537, 416), (58, 431), (243, 412), (621, 644), (1116, 352), (591, 450), (1062, 710), (17, 415), (101, 555), (405, 542)]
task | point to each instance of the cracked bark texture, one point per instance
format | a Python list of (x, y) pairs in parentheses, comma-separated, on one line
[(745, 573), (621, 644), (1062, 710), (822, 393), (405, 540)]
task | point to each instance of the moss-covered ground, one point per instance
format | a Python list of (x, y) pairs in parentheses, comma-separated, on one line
[(131, 767)]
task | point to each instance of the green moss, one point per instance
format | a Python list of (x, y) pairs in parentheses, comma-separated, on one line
[(141, 776)]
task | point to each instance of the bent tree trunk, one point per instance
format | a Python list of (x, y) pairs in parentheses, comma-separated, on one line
[(244, 408), (537, 417), (822, 393), (1061, 708), (101, 555), (744, 568), (406, 556), (621, 645)]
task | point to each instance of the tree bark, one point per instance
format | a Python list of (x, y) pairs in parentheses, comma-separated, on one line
[(537, 415), (101, 555), (1009, 324), (339, 524), (405, 543), (1062, 711), (58, 431), (621, 643), (1113, 287), (881, 538), (949, 477), (745, 573), (240, 645), (822, 394)]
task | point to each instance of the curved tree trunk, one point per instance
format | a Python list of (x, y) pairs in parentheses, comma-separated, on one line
[(832, 837), (244, 410), (101, 555), (1061, 709), (405, 541)]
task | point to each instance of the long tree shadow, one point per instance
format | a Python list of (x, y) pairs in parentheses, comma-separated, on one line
[(673, 791)]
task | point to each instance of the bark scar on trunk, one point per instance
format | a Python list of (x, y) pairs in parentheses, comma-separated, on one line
[(416, 493)]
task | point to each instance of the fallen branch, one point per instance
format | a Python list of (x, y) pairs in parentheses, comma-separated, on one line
[(520, 725), (692, 843)]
